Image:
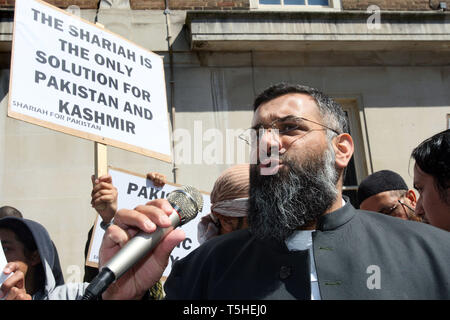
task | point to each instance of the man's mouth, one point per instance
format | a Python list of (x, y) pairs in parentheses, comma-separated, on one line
[(270, 166)]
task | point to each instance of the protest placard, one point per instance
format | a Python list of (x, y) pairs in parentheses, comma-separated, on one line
[(133, 190), (70, 75)]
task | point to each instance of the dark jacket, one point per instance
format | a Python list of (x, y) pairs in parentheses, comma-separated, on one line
[(358, 255)]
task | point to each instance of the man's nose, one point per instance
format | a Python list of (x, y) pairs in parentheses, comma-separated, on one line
[(419, 211), (270, 141)]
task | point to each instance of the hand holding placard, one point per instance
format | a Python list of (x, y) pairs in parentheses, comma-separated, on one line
[(104, 197)]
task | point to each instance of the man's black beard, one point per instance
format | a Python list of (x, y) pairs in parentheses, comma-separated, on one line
[(294, 197)]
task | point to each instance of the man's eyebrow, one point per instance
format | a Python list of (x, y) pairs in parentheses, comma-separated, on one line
[(274, 118), (292, 117)]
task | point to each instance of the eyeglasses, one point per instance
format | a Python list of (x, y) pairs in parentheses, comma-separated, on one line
[(392, 209), (405, 205), (289, 125)]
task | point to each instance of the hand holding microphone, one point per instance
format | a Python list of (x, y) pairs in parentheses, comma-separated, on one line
[(127, 243)]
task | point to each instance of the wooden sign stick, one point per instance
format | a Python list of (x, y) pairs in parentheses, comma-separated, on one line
[(101, 159), (100, 152)]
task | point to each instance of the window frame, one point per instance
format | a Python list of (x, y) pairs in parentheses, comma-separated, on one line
[(333, 5), (356, 123)]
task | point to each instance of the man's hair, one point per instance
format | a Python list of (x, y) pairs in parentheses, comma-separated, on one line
[(432, 156), (7, 211), (399, 193), (332, 113)]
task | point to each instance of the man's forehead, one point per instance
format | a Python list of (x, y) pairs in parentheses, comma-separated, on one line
[(379, 201), (419, 175), (386, 196), (291, 104)]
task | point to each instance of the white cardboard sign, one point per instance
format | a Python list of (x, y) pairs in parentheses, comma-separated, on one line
[(134, 190), (70, 75)]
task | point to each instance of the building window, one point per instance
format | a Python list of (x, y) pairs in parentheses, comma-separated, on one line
[(295, 2), (300, 5), (357, 168)]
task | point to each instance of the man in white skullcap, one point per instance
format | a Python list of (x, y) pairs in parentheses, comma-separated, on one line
[(229, 204)]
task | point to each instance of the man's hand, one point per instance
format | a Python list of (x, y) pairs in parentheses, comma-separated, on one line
[(134, 283), (104, 197), (14, 287)]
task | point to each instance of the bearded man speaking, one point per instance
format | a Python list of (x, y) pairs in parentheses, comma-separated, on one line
[(305, 240)]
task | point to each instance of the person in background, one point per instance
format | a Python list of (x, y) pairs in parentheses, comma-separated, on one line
[(229, 204), (7, 211), (386, 192), (33, 259), (432, 179)]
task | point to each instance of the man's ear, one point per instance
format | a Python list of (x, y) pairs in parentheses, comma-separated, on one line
[(412, 197), (35, 258), (343, 149)]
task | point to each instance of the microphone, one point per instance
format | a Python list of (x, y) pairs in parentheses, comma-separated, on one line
[(186, 202)]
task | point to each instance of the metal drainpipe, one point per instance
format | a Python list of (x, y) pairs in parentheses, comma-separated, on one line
[(172, 85)]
